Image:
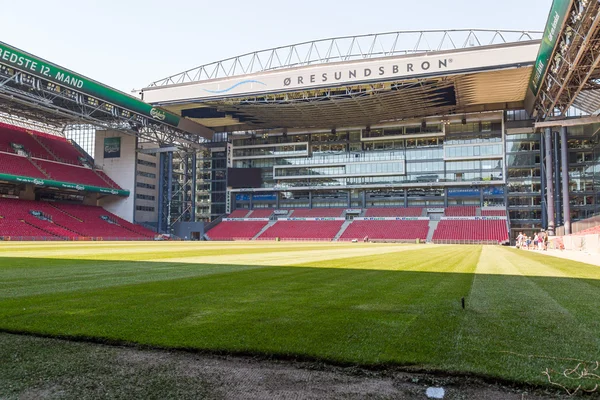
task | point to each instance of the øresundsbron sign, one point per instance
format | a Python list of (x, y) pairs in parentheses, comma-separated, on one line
[(40, 68), (384, 69)]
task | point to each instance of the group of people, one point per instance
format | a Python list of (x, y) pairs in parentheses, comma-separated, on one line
[(539, 241)]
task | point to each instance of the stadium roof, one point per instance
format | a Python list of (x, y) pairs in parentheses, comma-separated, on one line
[(36, 89), (359, 80), (568, 64)]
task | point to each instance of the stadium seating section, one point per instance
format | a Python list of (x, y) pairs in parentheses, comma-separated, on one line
[(590, 231), (456, 230), (236, 230), (387, 230), (394, 212), (302, 230), (64, 221), (50, 157), (471, 230)]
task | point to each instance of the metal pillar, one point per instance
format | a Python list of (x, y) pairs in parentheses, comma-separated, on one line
[(405, 197), (544, 220), (549, 181), (251, 201), (564, 151), (194, 180), (165, 192), (349, 198), (481, 203), (557, 191), (445, 197)]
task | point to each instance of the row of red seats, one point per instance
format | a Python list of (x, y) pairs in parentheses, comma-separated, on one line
[(474, 230), (394, 212), (260, 213), (317, 213), (391, 230)]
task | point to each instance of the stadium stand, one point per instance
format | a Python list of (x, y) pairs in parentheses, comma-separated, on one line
[(394, 212), (236, 230), (471, 230), (318, 213), (18, 165), (64, 221), (241, 213), (70, 173), (265, 213), (302, 230), (386, 230), (461, 211)]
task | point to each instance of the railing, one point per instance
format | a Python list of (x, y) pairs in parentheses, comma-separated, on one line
[(580, 226), (348, 48), (74, 239), (484, 242)]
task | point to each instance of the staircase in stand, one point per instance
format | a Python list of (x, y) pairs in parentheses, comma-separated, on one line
[(45, 148), (64, 212), (345, 226), (42, 229), (270, 224), (432, 227), (47, 175)]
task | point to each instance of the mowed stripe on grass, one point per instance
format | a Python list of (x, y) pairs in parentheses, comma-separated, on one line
[(363, 304)]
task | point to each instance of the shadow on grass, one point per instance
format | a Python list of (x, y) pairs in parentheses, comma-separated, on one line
[(513, 327)]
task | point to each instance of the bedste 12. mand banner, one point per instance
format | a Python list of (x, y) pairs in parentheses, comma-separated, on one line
[(30, 64), (556, 20)]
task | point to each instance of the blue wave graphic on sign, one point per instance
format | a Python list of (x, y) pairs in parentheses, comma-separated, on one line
[(234, 86)]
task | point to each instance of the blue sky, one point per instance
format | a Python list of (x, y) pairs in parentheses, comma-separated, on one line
[(130, 43)]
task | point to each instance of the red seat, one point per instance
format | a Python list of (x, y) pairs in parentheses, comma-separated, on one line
[(71, 173), (461, 211)]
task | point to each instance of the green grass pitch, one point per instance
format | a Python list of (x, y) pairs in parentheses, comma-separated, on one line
[(362, 304)]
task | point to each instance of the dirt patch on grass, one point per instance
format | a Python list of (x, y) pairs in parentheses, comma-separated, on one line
[(42, 368)]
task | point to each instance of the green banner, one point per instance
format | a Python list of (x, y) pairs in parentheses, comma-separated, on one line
[(556, 19), (27, 63), (112, 147), (63, 185)]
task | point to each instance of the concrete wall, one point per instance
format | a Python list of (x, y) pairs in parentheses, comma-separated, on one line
[(184, 230), (121, 169)]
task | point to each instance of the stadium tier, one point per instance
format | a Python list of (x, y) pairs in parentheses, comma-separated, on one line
[(449, 231), (236, 230), (493, 213), (302, 230), (37, 220), (13, 138), (387, 230)]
